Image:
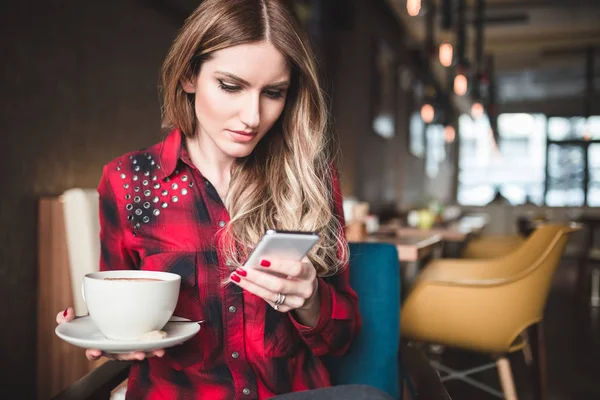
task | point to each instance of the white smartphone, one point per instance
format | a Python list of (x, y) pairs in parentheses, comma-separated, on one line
[(289, 245)]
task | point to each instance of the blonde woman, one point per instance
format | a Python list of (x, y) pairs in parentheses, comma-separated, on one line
[(247, 151)]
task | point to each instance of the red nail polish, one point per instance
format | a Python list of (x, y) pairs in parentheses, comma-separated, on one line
[(65, 313), (241, 272), (265, 263), (235, 278)]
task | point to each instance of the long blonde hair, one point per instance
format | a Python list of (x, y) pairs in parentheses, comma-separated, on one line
[(285, 183)]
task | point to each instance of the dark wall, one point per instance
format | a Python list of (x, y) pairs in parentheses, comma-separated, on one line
[(78, 87)]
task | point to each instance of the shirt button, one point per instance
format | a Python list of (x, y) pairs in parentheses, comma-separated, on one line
[(232, 309), (221, 223), (246, 391), (235, 354)]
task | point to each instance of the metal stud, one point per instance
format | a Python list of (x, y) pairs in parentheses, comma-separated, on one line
[(136, 199), (191, 184), (175, 199), (134, 161), (168, 179), (131, 158), (145, 182), (184, 191), (146, 173), (184, 178), (152, 162), (136, 168), (127, 196), (135, 178), (149, 157), (147, 205), (130, 217), (164, 192), (118, 168), (126, 186), (123, 176), (129, 207), (146, 219), (164, 205), (137, 225), (120, 162), (156, 212), (154, 178), (174, 186), (158, 166), (138, 211), (155, 199), (136, 189), (147, 193), (156, 186)]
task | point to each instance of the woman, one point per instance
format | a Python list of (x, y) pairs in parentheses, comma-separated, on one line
[(247, 152)]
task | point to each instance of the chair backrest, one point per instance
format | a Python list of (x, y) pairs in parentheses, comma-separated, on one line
[(82, 226), (533, 266), (485, 305), (373, 358)]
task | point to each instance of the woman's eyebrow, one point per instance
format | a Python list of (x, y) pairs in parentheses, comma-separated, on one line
[(246, 83)]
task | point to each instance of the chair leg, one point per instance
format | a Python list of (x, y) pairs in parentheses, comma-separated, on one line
[(538, 365), (506, 379)]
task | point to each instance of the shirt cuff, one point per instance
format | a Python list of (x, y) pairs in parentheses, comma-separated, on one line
[(325, 311)]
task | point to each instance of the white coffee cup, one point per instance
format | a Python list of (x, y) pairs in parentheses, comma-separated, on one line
[(127, 304)]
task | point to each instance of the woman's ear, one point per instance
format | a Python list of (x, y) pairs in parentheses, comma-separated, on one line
[(188, 84)]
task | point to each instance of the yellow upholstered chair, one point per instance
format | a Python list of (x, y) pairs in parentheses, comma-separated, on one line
[(488, 305), (493, 246)]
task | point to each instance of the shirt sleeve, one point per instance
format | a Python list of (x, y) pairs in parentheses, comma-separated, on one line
[(114, 254), (339, 318)]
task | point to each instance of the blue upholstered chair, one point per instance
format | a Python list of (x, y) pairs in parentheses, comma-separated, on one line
[(373, 358)]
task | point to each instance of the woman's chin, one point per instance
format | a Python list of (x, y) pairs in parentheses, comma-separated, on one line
[(238, 150)]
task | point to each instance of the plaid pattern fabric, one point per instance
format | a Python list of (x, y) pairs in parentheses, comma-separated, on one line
[(157, 212)]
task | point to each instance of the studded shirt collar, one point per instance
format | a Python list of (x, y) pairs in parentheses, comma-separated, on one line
[(170, 153)]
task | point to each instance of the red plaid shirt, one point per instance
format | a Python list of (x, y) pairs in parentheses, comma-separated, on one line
[(157, 212)]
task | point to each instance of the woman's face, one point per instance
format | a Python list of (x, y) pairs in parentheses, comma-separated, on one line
[(239, 94)]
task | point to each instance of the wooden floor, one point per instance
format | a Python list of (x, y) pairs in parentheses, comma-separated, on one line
[(572, 332)]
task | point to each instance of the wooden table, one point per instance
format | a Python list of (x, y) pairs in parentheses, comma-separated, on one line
[(412, 248)]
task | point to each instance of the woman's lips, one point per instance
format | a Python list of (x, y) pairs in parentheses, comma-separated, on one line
[(242, 136)]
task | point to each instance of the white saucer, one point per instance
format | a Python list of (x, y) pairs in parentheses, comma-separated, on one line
[(82, 332)]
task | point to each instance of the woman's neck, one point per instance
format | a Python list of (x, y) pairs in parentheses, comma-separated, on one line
[(211, 162)]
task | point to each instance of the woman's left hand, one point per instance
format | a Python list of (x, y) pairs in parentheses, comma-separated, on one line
[(293, 283)]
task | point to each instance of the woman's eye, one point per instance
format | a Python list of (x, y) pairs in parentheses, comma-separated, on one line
[(274, 94), (228, 88)]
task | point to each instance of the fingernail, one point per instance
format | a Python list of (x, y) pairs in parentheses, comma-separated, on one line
[(265, 263), (241, 272), (235, 278), (66, 311)]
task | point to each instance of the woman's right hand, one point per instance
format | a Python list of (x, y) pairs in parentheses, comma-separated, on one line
[(93, 354)]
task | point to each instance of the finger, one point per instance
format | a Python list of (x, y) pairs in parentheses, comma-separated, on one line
[(133, 356), (93, 355), (156, 353), (66, 315), (253, 288), (294, 269), (292, 302), (273, 283)]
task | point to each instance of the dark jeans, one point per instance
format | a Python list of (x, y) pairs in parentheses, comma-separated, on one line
[(342, 392)]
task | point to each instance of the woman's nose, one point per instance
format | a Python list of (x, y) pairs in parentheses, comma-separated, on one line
[(250, 113)]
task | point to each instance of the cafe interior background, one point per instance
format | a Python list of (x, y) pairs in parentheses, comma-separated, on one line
[(476, 118)]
